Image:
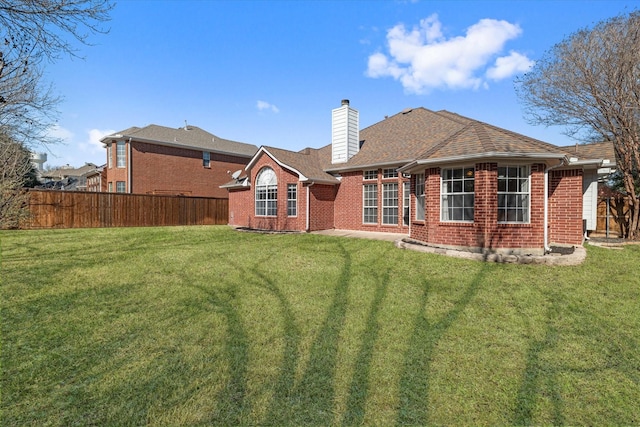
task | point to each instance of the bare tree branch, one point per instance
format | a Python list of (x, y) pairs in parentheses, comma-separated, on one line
[(32, 33), (590, 84)]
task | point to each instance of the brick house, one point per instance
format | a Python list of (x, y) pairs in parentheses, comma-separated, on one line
[(176, 161), (441, 178)]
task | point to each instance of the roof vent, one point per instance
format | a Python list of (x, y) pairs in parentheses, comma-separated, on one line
[(407, 110)]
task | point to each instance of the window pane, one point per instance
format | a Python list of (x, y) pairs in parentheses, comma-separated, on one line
[(457, 198), (266, 195), (292, 200), (370, 204), (513, 194)]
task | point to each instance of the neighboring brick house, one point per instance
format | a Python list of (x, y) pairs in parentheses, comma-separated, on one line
[(441, 178), (176, 161), (70, 178), (96, 180)]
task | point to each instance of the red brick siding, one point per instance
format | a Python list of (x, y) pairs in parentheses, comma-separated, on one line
[(240, 207), (484, 232), (242, 202), (158, 169), (322, 204), (565, 207), (348, 205)]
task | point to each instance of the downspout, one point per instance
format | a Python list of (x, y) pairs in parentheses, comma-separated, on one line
[(547, 249), (307, 225), (129, 166)]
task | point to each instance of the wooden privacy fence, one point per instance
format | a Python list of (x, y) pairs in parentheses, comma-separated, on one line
[(76, 209), (613, 214)]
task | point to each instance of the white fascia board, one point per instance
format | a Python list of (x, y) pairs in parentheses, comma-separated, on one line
[(593, 163), (482, 157), (397, 164), (321, 181), (119, 137), (108, 138), (262, 149)]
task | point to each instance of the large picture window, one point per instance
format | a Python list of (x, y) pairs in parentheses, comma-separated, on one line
[(458, 187), (513, 194), (120, 155), (370, 204), (390, 204), (266, 193)]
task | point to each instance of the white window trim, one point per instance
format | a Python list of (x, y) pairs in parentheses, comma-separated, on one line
[(385, 200), (267, 187), (528, 192), (206, 159), (294, 200), (369, 207), (420, 196), (406, 202), (462, 193), (389, 173), (372, 171), (122, 164)]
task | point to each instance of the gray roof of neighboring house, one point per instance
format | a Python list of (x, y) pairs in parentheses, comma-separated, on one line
[(63, 172), (187, 137)]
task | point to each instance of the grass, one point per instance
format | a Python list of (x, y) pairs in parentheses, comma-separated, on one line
[(209, 326)]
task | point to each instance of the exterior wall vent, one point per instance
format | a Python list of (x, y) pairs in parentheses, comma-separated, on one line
[(345, 133)]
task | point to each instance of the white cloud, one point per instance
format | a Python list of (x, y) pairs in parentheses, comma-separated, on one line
[(92, 144), (423, 58), (263, 105), (507, 66), (58, 132)]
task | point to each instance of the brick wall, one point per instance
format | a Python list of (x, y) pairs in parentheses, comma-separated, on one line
[(322, 204), (484, 233), (565, 207), (349, 200), (242, 205), (158, 169)]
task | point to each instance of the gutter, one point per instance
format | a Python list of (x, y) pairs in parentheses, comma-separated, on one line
[(307, 225), (493, 155), (547, 249), (129, 167)]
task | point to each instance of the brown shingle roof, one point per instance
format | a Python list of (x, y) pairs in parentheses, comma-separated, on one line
[(422, 135), (307, 162), (188, 137), (598, 150), (400, 138)]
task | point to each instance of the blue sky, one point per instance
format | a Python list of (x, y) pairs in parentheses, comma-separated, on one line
[(269, 72)]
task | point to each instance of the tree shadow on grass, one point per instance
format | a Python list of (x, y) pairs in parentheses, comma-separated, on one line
[(538, 375), (415, 379), (315, 392), (359, 389), (232, 403), (284, 384)]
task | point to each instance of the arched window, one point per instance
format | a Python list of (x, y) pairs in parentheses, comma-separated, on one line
[(266, 193)]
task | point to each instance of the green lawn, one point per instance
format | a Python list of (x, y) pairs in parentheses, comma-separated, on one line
[(209, 326)]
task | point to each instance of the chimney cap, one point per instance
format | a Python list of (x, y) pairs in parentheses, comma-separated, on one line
[(344, 102)]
